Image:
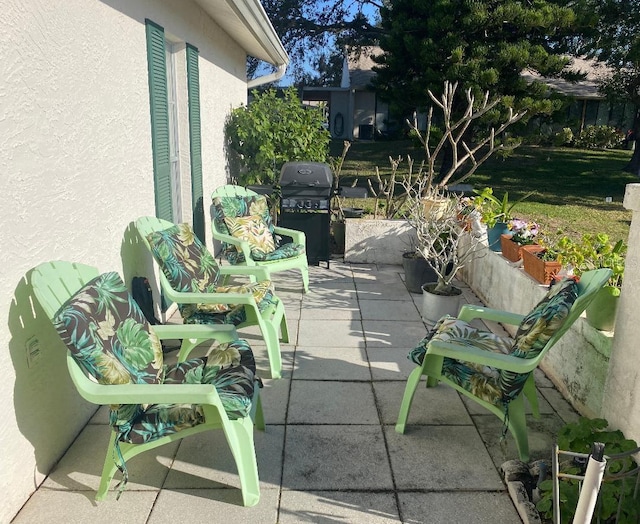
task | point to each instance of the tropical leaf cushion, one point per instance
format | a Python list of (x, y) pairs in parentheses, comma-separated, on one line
[(259, 290), (253, 230), (536, 329), (189, 267), (229, 367), (184, 259), (500, 386), (288, 250), (108, 335), (482, 381), (239, 206)]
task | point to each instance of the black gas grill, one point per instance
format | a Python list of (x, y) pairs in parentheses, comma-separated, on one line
[(305, 200)]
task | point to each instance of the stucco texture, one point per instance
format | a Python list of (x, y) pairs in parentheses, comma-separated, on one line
[(75, 148)]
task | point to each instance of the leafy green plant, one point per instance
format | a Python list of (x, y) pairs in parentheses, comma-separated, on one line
[(579, 437), (594, 251), (270, 131), (599, 137), (494, 209)]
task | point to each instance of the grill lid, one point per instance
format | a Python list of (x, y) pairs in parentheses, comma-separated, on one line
[(306, 175)]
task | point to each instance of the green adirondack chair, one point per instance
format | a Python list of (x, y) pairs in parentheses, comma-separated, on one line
[(191, 278), (114, 358), (497, 372), (242, 222)]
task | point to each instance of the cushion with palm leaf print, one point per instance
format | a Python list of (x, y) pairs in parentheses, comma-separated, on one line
[(253, 230), (184, 259), (107, 334), (481, 380), (229, 367), (240, 206), (536, 329)]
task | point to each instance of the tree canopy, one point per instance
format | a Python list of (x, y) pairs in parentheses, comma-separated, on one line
[(314, 33), (611, 33), (483, 44)]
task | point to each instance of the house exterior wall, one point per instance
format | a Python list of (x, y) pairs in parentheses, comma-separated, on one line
[(340, 124), (75, 148), (364, 112)]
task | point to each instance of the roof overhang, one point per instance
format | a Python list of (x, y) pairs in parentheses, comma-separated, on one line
[(246, 22)]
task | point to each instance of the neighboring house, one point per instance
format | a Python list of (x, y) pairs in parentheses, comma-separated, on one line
[(355, 111), (589, 106), (111, 109)]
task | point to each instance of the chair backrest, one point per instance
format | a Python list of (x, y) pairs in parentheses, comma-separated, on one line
[(231, 202), (54, 283), (186, 264), (588, 286), (548, 322)]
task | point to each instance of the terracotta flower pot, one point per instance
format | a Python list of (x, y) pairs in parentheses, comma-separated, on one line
[(512, 250), (542, 271)]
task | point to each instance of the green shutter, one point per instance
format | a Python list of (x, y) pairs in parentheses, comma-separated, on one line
[(195, 139), (156, 61)]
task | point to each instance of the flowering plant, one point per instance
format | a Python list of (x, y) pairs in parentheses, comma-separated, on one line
[(523, 232)]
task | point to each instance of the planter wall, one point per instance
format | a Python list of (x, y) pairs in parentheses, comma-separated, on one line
[(377, 241)]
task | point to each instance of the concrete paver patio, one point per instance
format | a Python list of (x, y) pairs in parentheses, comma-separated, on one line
[(330, 452)]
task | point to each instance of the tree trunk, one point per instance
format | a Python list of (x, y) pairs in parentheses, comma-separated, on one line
[(634, 164)]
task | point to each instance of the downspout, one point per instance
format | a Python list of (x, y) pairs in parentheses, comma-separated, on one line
[(266, 79)]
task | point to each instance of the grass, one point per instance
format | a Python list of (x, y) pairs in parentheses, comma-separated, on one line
[(571, 185)]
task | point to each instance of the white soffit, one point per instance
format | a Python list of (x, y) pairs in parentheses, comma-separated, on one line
[(248, 24)]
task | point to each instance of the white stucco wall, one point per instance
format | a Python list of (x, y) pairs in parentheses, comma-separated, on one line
[(75, 151), (622, 394)]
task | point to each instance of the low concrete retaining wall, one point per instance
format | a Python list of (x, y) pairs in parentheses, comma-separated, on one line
[(578, 364), (371, 241)]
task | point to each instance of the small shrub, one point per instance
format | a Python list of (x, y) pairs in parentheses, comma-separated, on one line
[(563, 138), (271, 131), (599, 137)]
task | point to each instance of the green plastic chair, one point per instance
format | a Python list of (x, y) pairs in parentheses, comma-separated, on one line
[(233, 201), (496, 372), (55, 284), (196, 304)]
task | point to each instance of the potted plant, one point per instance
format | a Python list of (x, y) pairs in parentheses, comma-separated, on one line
[(521, 233), (496, 214), (446, 245), (594, 251), (541, 261)]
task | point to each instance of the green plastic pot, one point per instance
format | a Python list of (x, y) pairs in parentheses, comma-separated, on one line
[(601, 313)]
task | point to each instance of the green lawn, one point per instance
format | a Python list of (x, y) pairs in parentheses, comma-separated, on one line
[(571, 185)]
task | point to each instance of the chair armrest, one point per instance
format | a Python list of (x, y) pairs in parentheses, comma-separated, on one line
[(141, 393), (220, 332), (241, 245), (484, 357), (211, 298), (469, 312), (298, 237), (261, 273)]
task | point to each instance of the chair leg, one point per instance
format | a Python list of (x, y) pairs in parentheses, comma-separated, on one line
[(270, 335), (187, 345), (407, 399), (529, 391), (284, 329), (518, 427), (239, 435), (305, 278), (108, 470)]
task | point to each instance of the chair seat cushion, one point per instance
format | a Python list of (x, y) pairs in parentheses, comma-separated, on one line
[(230, 314), (229, 367), (255, 232), (482, 381), (289, 250)]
